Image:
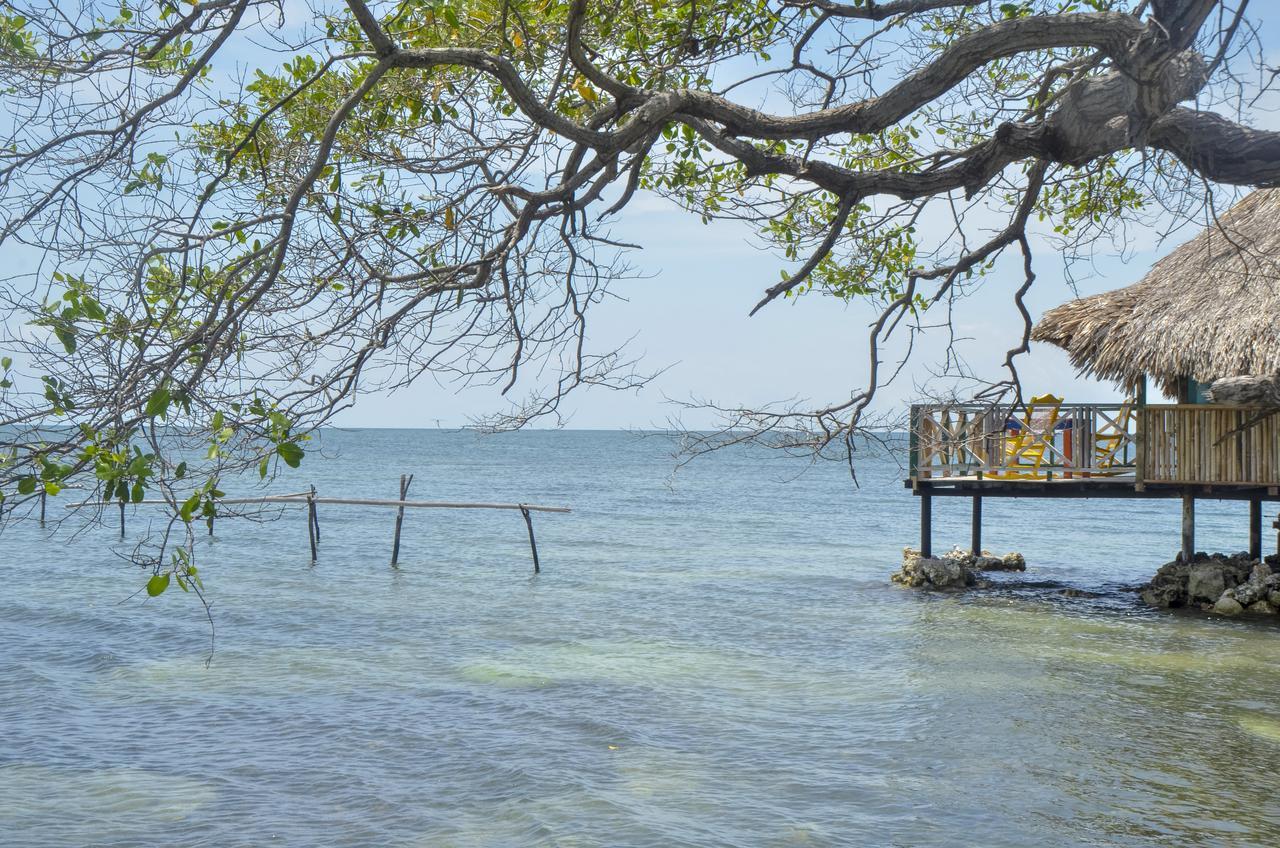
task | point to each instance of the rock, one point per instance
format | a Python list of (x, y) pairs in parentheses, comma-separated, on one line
[(988, 563), (1247, 593), (1260, 608), (1168, 588), (1014, 562), (946, 572), (1228, 605), (1273, 598), (1205, 582), (1261, 571), (1070, 592)]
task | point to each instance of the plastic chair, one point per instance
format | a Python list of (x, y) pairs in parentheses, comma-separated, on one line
[(1026, 449)]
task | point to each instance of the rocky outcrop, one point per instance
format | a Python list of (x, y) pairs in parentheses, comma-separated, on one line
[(1226, 585), (954, 570)]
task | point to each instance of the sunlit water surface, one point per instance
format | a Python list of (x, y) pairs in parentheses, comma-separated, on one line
[(714, 660)]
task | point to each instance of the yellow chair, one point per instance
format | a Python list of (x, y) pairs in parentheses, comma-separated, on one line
[(1026, 451), (1110, 439)]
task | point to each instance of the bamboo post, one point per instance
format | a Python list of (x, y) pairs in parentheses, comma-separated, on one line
[(311, 524), (1188, 527), (926, 526), (1140, 437), (395, 544), (533, 543), (975, 535), (1255, 529)]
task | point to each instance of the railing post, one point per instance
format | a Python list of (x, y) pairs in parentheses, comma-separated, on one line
[(1140, 438), (913, 441)]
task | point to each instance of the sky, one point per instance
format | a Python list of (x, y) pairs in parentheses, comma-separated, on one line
[(688, 318), (686, 315)]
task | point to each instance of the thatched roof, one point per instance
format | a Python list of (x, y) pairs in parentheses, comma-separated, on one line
[(1210, 309)]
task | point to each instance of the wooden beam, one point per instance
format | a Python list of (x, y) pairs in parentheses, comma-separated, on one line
[(1188, 527), (926, 526), (1255, 529), (975, 533)]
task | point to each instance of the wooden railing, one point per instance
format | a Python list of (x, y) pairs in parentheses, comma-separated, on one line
[(1076, 440), (1189, 444), (1210, 444)]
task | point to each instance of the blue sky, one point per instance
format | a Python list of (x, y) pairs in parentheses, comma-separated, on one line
[(690, 316)]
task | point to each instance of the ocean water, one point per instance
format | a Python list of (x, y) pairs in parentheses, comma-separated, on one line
[(710, 658)]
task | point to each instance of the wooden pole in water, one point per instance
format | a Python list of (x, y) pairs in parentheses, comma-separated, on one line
[(926, 526), (975, 534), (121, 519), (395, 544), (1255, 529), (315, 514), (1188, 527), (43, 495), (311, 524), (533, 543)]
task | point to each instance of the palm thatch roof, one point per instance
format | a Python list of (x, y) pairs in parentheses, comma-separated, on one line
[(1210, 309)]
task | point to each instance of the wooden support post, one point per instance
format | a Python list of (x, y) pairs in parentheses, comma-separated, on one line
[(395, 544), (533, 543), (121, 519), (311, 524), (1255, 529), (926, 526), (315, 515), (209, 523), (1140, 447), (43, 496), (1188, 527), (975, 534)]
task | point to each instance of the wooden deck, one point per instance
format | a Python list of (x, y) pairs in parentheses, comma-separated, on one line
[(1096, 450), (1074, 450)]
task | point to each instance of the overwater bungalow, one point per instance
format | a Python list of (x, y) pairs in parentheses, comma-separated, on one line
[(1208, 311)]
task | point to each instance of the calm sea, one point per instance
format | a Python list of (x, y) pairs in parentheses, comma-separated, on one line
[(711, 659)]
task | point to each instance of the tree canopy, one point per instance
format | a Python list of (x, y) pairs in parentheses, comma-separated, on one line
[(225, 219)]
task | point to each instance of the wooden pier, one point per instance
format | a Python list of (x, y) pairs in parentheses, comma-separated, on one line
[(1072, 450), (312, 501)]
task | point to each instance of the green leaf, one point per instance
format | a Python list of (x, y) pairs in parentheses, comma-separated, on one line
[(138, 493), (290, 453), (158, 403), (157, 584), (26, 485), (180, 471), (5, 362), (188, 507)]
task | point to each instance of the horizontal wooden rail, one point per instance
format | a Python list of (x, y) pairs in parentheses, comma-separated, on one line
[(304, 497), (409, 504)]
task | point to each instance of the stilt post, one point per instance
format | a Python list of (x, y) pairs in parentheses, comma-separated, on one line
[(311, 524), (1255, 529), (315, 515), (975, 534), (395, 543), (121, 519), (1188, 527), (926, 526), (533, 543), (43, 495)]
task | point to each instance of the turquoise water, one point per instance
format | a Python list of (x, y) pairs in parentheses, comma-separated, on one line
[(716, 659)]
